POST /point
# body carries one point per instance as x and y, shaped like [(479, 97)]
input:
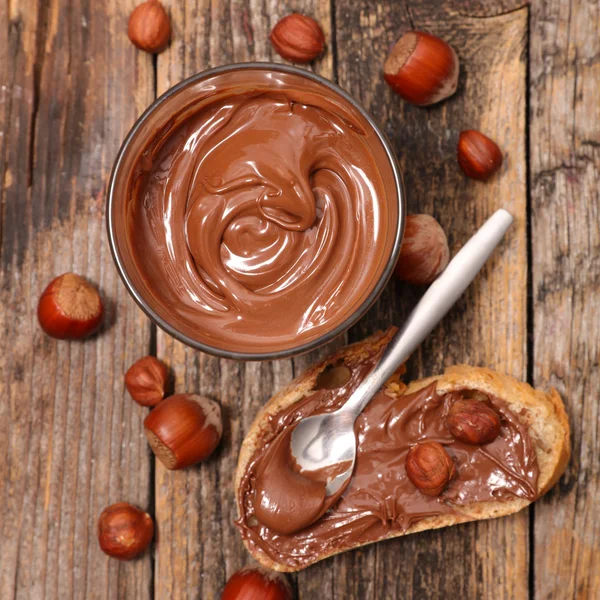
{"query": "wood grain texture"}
[(70, 440), (488, 326), (565, 217), (199, 547), (462, 8)]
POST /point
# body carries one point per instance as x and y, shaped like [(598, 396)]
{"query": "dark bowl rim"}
[(277, 354)]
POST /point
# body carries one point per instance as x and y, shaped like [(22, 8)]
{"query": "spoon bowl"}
[(325, 442)]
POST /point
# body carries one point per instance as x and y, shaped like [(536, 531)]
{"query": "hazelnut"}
[(124, 531), (422, 68), (183, 430), (298, 38), (70, 308), (256, 582), (478, 156), (149, 27), (146, 379), (473, 422), (424, 253), (429, 467)]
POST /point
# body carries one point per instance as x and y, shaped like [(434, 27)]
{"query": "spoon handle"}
[(431, 309)]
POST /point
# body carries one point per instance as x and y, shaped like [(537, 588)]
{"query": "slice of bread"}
[(542, 413)]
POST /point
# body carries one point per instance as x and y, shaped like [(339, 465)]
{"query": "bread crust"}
[(543, 413)]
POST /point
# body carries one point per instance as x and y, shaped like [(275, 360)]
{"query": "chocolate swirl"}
[(260, 220)]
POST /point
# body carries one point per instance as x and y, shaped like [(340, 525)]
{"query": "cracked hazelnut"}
[(70, 308), (424, 253), (183, 430), (298, 38), (473, 422), (422, 68), (429, 467), (124, 531), (257, 583), (146, 379), (149, 27), (478, 156)]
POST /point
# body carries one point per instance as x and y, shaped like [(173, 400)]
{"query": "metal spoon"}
[(324, 441)]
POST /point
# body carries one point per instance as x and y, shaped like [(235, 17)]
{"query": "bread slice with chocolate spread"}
[(534, 440)]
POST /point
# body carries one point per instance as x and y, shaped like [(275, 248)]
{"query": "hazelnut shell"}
[(149, 27), (256, 582), (424, 253), (124, 531), (478, 156), (146, 379), (422, 68), (429, 467), (70, 308), (184, 429), (298, 38), (473, 422)]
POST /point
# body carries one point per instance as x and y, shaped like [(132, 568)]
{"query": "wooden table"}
[(71, 440)]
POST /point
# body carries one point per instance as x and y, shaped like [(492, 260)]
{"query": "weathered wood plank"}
[(488, 326), (199, 547), (70, 440), (564, 175)]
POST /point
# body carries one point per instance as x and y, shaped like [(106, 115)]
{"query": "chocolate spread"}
[(379, 498), (264, 214)]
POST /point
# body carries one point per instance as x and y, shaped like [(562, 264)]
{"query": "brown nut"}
[(424, 253), (184, 429), (146, 379), (473, 422), (257, 583), (124, 531), (429, 467), (149, 27), (298, 38), (478, 156), (70, 308), (422, 68)]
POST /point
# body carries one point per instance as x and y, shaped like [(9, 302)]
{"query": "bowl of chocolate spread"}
[(255, 211)]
